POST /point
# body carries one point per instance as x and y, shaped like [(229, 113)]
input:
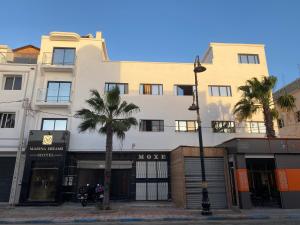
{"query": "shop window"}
[(223, 91), (223, 126), (54, 124), (12, 82), (182, 90), (151, 89), (186, 125), (7, 119), (248, 58), (152, 125), (63, 56), (123, 87)]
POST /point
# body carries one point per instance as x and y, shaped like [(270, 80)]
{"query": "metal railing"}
[(46, 95), (51, 59), (21, 58)]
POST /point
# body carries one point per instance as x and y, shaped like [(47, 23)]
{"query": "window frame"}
[(1, 120), (222, 129), (227, 87), (55, 119), (63, 62), (57, 97), (143, 89), (256, 58), (126, 87), (297, 114), (280, 123), (14, 76), (250, 127), (186, 126), (185, 85), (161, 125)]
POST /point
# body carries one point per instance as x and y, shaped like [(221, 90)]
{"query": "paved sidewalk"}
[(130, 212)]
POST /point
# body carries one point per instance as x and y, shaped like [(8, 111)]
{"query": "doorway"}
[(120, 181), (262, 183)]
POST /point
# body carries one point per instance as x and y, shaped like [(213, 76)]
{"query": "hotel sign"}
[(152, 156)]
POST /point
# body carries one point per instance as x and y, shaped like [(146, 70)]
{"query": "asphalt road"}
[(227, 222)]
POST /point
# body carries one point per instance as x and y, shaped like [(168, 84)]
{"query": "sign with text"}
[(152, 156)]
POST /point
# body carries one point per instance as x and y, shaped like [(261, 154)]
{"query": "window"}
[(12, 82), (63, 56), (298, 116), (255, 127), (58, 91), (184, 90), (151, 89), (248, 58), (215, 90), (54, 124), (223, 126), (7, 120), (123, 87), (186, 125), (280, 123), (152, 125)]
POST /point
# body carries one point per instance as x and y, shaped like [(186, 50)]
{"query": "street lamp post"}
[(198, 68)]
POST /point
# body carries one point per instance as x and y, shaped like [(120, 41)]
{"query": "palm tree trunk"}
[(107, 172), (268, 121)]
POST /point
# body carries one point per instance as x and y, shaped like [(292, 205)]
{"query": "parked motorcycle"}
[(90, 193)]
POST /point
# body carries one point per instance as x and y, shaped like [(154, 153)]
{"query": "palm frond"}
[(245, 108), (112, 99), (96, 102), (286, 102)]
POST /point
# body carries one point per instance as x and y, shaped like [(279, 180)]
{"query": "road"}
[(227, 222)]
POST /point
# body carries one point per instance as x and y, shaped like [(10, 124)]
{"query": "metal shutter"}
[(214, 168), (7, 166)]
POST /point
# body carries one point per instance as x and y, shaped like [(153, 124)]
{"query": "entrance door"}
[(7, 165), (262, 183), (43, 184), (120, 180)]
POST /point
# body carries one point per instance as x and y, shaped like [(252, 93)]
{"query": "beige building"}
[(289, 122)]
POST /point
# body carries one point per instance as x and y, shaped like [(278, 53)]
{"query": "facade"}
[(289, 122), (69, 65)]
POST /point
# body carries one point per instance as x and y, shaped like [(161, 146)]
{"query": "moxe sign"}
[(152, 156)]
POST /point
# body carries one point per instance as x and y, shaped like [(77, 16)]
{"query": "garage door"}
[(214, 168), (7, 165)]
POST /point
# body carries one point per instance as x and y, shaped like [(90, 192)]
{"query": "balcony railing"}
[(21, 58), (51, 59), (49, 97)]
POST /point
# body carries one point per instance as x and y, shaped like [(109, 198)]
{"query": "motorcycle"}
[(92, 193)]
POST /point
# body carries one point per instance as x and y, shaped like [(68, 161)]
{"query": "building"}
[(59, 159), (17, 74), (289, 122)]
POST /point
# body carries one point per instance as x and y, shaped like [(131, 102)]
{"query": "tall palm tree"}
[(257, 96), (108, 116)]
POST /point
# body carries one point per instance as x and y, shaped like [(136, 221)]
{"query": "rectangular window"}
[(248, 58), (186, 125), (123, 87), (298, 116), (152, 125), (182, 90), (280, 123), (224, 91), (63, 56), (58, 91), (7, 119), (223, 126), (12, 82), (151, 89), (54, 124), (255, 127)]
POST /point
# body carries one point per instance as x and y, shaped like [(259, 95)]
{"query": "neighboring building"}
[(289, 122), (17, 74), (59, 159)]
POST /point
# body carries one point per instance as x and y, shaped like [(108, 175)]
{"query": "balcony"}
[(18, 58), (52, 98), (52, 62)]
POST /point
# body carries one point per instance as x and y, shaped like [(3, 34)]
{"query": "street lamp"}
[(195, 107)]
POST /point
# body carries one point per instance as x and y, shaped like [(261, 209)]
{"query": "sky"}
[(164, 30)]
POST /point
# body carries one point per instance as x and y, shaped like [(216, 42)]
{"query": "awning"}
[(93, 164)]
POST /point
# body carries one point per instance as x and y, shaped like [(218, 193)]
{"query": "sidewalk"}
[(130, 212)]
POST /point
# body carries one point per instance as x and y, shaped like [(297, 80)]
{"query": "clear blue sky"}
[(163, 30)]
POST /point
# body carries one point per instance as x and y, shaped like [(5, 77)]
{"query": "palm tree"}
[(108, 116), (257, 96)]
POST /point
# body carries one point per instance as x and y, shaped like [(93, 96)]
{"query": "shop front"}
[(44, 167), (264, 172)]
